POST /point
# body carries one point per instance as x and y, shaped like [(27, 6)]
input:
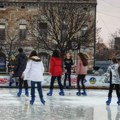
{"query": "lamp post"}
[(84, 29), (74, 46)]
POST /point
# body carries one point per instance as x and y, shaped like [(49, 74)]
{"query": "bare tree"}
[(11, 44), (98, 37), (112, 39), (57, 26)]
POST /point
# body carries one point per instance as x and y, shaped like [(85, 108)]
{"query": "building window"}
[(2, 31), (22, 7), (43, 29), (22, 32), (43, 26), (1, 6)]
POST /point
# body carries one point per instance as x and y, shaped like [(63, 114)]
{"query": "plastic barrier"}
[(90, 81)]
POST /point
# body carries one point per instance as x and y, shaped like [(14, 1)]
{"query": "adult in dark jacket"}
[(55, 71), (21, 61)]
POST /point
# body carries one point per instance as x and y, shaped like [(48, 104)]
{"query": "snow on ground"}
[(68, 107)]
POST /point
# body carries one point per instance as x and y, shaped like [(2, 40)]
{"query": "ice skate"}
[(108, 101), (61, 93), (27, 93), (118, 102), (42, 101), (19, 93), (78, 93), (84, 93), (49, 93), (32, 100)]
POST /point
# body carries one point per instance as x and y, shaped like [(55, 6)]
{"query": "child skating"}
[(114, 80), (34, 72)]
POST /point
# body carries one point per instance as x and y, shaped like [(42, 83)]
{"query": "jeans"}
[(80, 78), (21, 81), (67, 75), (53, 80), (117, 87), (111, 90), (39, 88)]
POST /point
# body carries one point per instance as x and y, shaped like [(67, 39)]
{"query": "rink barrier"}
[(91, 81)]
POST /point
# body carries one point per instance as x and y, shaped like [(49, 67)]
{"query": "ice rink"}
[(68, 107)]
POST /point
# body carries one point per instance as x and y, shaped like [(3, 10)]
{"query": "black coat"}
[(68, 64), (20, 65)]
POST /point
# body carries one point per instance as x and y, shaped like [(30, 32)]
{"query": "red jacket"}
[(55, 66)]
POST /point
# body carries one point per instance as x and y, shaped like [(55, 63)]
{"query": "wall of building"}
[(16, 12)]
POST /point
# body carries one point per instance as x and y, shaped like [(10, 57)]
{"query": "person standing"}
[(20, 65), (82, 67), (114, 74), (68, 63), (11, 66), (55, 71), (34, 72)]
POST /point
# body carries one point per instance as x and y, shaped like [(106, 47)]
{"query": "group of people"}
[(32, 69)]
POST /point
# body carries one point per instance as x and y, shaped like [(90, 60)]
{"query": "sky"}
[(108, 18)]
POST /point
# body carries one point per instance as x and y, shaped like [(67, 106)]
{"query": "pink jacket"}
[(81, 69)]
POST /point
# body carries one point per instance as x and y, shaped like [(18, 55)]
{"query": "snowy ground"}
[(68, 107)]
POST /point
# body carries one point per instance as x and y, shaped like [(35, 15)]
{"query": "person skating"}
[(82, 67), (20, 65), (34, 72), (68, 63), (55, 71), (112, 71)]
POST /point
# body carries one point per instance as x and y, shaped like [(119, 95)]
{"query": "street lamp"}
[(84, 28)]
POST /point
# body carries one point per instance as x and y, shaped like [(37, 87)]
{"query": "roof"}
[(51, 1)]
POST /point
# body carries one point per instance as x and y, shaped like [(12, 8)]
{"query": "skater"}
[(20, 65), (34, 72), (11, 66), (82, 67), (55, 71), (114, 80), (68, 63)]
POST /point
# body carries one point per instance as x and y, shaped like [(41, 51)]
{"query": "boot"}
[(118, 102), (19, 92), (84, 93), (61, 93), (49, 93), (27, 93), (42, 101), (32, 100), (108, 101), (78, 93)]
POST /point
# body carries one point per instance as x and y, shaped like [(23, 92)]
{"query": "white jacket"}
[(34, 70), (115, 77)]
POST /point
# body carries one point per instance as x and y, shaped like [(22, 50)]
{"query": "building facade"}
[(15, 17)]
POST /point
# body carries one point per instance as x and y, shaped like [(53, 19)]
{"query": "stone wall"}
[(16, 12)]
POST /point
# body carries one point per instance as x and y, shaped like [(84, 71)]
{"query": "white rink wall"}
[(90, 81)]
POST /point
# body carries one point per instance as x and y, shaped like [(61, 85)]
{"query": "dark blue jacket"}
[(20, 65)]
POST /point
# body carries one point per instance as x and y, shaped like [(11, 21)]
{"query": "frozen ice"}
[(68, 107)]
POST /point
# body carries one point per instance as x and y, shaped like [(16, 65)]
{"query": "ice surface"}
[(68, 107)]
